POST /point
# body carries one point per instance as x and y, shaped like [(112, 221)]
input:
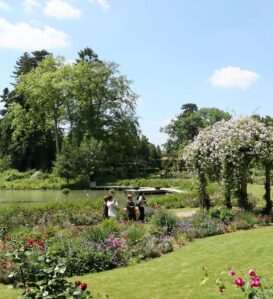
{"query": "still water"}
[(45, 196)]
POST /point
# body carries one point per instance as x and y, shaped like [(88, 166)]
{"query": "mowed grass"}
[(257, 190), (178, 274)]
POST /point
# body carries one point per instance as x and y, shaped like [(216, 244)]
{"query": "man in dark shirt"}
[(131, 208), (105, 207)]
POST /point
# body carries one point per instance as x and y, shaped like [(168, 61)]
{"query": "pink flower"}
[(116, 243), (255, 282), (232, 272), (239, 282), (251, 273)]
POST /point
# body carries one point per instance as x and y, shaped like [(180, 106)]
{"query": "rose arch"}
[(226, 151)]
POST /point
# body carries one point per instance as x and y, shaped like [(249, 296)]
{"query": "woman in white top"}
[(141, 206), (112, 205)]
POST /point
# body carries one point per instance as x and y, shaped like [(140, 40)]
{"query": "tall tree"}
[(22, 136), (88, 55), (188, 124)]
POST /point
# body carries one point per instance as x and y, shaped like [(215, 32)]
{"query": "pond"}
[(45, 196)]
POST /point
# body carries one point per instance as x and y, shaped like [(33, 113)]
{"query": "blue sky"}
[(215, 53)]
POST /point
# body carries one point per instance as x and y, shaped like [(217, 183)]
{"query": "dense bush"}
[(165, 219), (225, 215), (176, 200), (40, 272), (13, 174), (53, 213), (200, 225), (162, 183), (39, 175), (134, 233)]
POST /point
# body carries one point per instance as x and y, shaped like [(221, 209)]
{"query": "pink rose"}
[(255, 282), (232, 272), (239, 282), (251, 273)]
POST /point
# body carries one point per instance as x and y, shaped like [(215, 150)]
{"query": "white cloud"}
[(104, 4), (30, 5), (61, 10), (25, 37), (4, 6), (233, 77)]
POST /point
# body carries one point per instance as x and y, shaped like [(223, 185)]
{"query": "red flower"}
[(83, 286), (4, 265), (77, 283), (252, 273), (32, 242), (239, 282), (255, 282), (232, 272)]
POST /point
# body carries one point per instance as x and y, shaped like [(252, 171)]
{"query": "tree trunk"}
[(228, 199), (203, 196), (56, 136), (267, 195), (242, 193), (227, 178), (242, 188)]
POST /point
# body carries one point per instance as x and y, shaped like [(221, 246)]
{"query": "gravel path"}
[(185, 214)]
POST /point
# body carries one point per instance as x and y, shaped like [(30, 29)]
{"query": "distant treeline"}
[(76, 117)]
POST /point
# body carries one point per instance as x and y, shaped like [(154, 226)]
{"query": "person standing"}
[(131, 208), (112, 205), (105, 207), (141, 206)]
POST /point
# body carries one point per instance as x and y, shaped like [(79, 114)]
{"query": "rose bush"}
[(251, 285), (41, 273), (225, 151)]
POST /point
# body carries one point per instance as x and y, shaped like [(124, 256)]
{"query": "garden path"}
[(185, 214)]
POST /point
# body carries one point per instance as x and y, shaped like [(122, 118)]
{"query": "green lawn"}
[(178, 275), (256, 190)]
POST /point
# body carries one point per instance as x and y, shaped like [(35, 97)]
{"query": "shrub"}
[(39, 175), (111, 226), (249, 218), (13, 174), (41, 273), (96, 234), (149, 212), (134, 233), (200, 225), (5, 163), (155, 247), (250, 286), (223, 214), (165, 219), (176, 200)]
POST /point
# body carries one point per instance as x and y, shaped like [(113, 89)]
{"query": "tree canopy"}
[(59, 111), (182, 129)]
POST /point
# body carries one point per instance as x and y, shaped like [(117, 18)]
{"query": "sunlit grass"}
[(178, 274)]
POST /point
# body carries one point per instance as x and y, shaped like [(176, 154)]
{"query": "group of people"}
[(110, 207)]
